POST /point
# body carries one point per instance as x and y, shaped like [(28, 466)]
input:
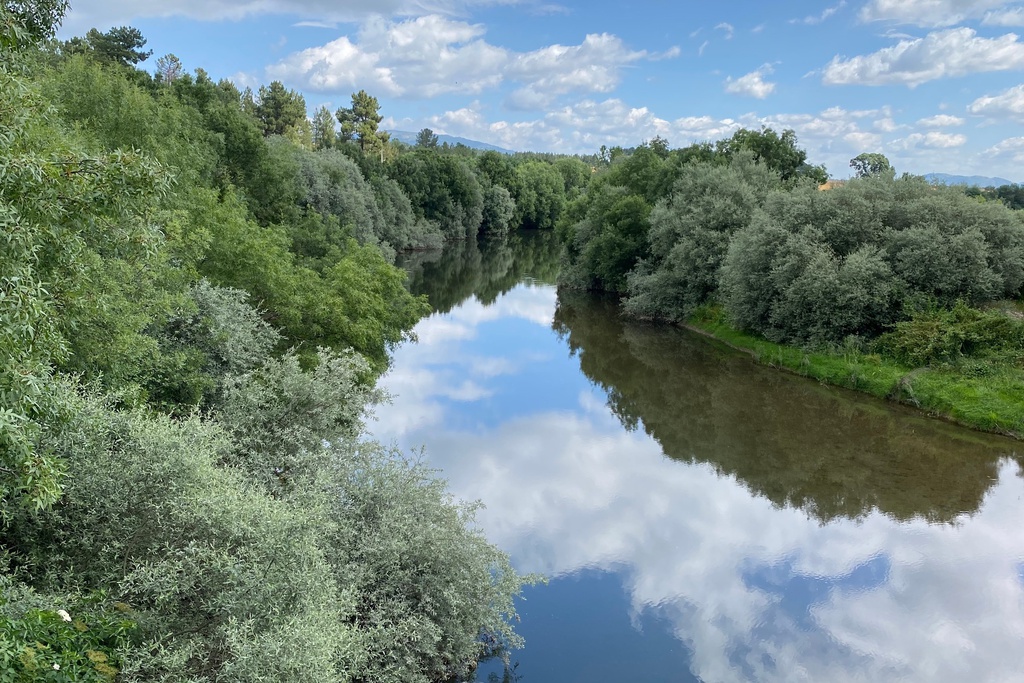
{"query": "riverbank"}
[(984, 396)]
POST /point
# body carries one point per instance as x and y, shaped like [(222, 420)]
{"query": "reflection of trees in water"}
[(486, 268), (791, 440)]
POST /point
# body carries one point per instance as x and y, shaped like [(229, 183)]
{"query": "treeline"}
[(1012, 195), (192, 317), (879, 264)]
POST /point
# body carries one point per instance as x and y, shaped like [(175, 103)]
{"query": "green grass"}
[(983, 395)]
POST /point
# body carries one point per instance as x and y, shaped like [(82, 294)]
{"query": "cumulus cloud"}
[(942, 54), (752, 84), (422, 57), (1008, 104), (941, 121), (928, 13), (435, 55), (1011, 149), (590, 67), (886, 125), (930, 140)]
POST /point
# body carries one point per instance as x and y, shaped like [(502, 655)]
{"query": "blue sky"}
[(936, 85)]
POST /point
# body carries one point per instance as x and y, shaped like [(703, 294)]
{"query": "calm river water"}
[(699, 517)]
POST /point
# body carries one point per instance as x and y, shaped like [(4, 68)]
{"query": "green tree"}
[(25, 21), (360, 121), (325, 133), (426, 138), (280, 110), (498, 211), (778, 152), (73, 220), (871, 163), (539, 194), (121, 45)]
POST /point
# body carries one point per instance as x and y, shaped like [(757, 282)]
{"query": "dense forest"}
[(889, 276), (197, 295)]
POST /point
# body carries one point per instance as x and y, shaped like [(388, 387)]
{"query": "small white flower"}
[(56, 667), (64, 615)]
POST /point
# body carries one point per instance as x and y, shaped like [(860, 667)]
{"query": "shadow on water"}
[(485, 269), (829, 452)]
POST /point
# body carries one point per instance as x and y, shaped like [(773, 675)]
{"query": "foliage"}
[(690, 234), (498, 211), (818, 266), (778, 152), (280, 110), (65, 639), (871, 163), (194, 307), (121, 46), (937, 335), (612, 238), (426, 138), (539, 196), (443, 189), (75, 224), (360, 121), (325, 135)]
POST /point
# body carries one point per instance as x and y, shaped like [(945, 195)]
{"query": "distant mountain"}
[(979, 180), (410, 139)]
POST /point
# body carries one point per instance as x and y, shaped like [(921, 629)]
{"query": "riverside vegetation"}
[(197, 296), (884, 284)]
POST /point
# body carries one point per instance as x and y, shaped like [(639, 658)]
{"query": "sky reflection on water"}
[(752, 584)]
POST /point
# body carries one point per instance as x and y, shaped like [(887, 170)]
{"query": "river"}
[(699, 517)]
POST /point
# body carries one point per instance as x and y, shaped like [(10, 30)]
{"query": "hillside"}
[(977, 180), (409, 138)]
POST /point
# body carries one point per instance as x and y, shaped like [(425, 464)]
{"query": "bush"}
[(940, 335)]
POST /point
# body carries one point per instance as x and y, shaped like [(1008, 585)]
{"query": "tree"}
[(325, 135), (279, 109), (871, 164), (168, 68), (121, 45), (361, 120), (426, 138), (38, 18), (777, 152)]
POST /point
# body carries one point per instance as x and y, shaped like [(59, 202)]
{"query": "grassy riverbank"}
[(987, 396)]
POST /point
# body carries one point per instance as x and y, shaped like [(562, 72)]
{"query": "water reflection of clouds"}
[(757, 592)]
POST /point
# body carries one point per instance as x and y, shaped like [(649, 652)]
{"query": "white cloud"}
[(814, 19), (941, 121), (942, 54), (422, 57), (434, 55), (1008, 104), (930, 140), (752, 84), (886, 125), (862, 139), (929, 13), (726, 28), (1010, 148), (592, 67)]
